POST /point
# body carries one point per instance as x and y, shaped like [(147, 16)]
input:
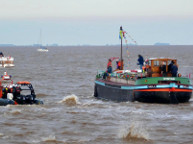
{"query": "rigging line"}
[(131, 38), (127, 46), (127, 49), (124, 34)]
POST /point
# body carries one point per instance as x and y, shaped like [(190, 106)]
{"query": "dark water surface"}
[(64, 79)]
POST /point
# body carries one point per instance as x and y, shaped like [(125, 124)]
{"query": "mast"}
[(40, 36), (121, 41), (121, 35), (40, 42)]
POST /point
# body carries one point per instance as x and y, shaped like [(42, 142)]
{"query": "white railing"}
[(6, 61)]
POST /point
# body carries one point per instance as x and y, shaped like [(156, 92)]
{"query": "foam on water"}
[(41, 95), (50, 138), (135, 131), (16, 112), (70, 100)]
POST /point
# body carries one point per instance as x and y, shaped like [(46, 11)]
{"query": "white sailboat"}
[(42, 48)]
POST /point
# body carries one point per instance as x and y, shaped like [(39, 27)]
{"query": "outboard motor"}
[(29, 99), (20, 99)]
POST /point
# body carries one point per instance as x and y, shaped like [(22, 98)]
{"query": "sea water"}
[(64, 79)]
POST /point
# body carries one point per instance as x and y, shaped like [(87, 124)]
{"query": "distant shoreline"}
[(12, 45)]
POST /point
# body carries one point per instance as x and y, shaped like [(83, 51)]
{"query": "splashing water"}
[(16, 112), (134, 133), (51, 138), (1, 134), (70, 100)]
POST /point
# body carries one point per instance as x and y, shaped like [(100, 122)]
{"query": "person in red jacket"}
[(109, 66)]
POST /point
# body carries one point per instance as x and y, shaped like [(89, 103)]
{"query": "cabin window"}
[(168, 82), (169, 62), (156, 63), (149, 62)]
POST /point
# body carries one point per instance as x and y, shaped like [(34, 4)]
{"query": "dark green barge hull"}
[(149, 90), (110, 91)]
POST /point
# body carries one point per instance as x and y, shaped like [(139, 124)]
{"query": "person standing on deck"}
[(163, 69), (119, 65), (109, 66), (1, 54), (140, 61), (170, 66), (174, 70)]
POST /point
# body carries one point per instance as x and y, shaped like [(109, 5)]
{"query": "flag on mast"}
[(121, 33)]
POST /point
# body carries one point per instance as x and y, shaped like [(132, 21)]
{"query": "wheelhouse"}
[(155, 66)]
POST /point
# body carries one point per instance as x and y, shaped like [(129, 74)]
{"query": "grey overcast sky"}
[(95, 22)]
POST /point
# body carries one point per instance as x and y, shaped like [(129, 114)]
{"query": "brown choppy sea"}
[(64, 79)]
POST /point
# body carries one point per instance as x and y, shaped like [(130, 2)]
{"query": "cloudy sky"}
[(95, 22)]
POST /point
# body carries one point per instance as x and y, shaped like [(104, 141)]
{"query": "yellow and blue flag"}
[(121, 34)]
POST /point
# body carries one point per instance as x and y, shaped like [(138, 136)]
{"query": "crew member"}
[(174, 70), (170, 66), (119, 64), (109, 66), (1, 54), (163, 69), (140, 61)]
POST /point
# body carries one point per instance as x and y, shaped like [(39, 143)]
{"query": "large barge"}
[(128, 85), (149, 85)]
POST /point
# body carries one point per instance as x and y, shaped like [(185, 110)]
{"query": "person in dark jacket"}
[(1, 54), (140, 61), (163, 69), (170, 66), (174, 70)]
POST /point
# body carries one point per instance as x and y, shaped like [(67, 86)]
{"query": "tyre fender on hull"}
[(95, 91), (172, 95)]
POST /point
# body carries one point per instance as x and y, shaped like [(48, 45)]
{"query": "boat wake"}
[(41, 95), (16, 112), (135, 132), (70, 100), (51, 138)]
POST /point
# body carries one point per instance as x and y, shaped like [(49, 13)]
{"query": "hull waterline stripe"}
[(166, 90), (100, 83), (166, 86), (175, 86), (133, 87), (146, 87), (128, 87), (190, 87)]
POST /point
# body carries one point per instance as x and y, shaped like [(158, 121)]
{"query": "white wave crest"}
[(16, 112), (135, 131), (50, 138), (70, 100)]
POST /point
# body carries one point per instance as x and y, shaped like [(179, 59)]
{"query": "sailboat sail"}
[(41, 47)]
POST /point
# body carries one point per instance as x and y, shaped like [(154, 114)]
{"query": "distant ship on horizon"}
[(159, 43)]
